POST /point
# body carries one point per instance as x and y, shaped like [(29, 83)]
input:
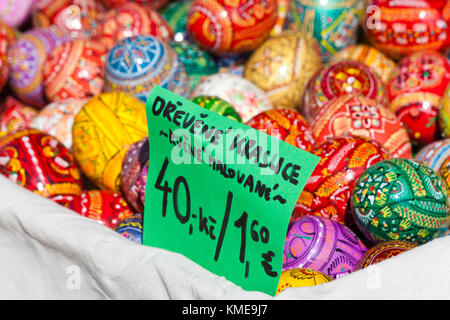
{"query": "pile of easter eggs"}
[(364, 85)]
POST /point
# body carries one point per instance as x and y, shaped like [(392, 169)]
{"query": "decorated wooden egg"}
[(328, 190), (323, 245), (130, 229), (434, 154), (218, 106), (399, 28), (381, 64), (27, 57), (383, 251), (78, 17), (103, 131), (282, 67), (40, 163), (285, 124), (129, 20), (338, 78), (133, 162), (361, 116), (243, 95), (400, 199), (197, 63), (225, 27), (106, 207), (143, 183), (334, 23), (15, 115), (15, 12), (134, 65), (175, 15), (301, 277), (57, 119), (444, 114), (417, 86)]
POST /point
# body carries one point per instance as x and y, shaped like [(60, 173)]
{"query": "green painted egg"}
[(400, 199), (176, 16), (218, 105)]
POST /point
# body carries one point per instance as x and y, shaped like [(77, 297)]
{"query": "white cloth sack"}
[(49, 252)]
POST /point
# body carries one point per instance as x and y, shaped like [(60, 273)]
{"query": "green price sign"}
[(220, 192)]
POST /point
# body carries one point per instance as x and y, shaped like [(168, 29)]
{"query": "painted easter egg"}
[(400, 199), (444, 114), (399, 28), (27, 57), (282, 67), (338, 78), (444, 173), (361, 116), (106, 207), (134, 65), (15, 115), (57, 119), (243, 95), (328, 190), (143, 183), (218, 106), (334, 23), (130, 229), (301, 277), (154, 4), (225, 27), (15, 12), (434, 154), (285, 124), (383, 251), (41, 164), (133, 162), (323, 245), (103, 131), (418, 83), (4, 66), (129, 20)]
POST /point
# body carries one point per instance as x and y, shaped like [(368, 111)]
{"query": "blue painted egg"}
[(131, 229)]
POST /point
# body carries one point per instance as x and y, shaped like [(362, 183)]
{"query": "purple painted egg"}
[(323, 245), (135, 159), (15, 12), (143, 179)]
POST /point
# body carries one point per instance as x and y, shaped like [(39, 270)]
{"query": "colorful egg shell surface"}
[(333, 23), (243, 95), (218, 106), (400, 199), (176, 16), (133, 162), (102, 132), (383, 251), (399, 28), (130, 229), (15, 12), (282, 67), (27, 57), (225, 27), (143, 182), (434, 154), (40, 163), (4, 67), (106, 207), (301, 277), (78, 17), (285, 124), (339, 78), (444, 172), (418, 84), (15, 115), (328, 190), (129, 20), (323, 245), (381, 64), (57, 119), (444, 114), (134, 65), (74, 70), (362, 117)]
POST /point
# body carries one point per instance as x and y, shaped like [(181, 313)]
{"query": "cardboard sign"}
[(220, 192)]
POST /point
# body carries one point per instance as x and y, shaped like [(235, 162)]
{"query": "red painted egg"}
[(14, 115), (153, 4), (225, 27), (399, 28), (285, 124), (338, 78), (416, 88), (328, 190), (4, 67), (74, 70), (383, 251), (107, 207), (129, 20), (40, 163)]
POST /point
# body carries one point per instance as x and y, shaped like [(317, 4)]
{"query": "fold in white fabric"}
[(49, 252)]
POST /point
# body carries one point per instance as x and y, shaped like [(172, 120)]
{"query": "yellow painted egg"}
[(301, 277)]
